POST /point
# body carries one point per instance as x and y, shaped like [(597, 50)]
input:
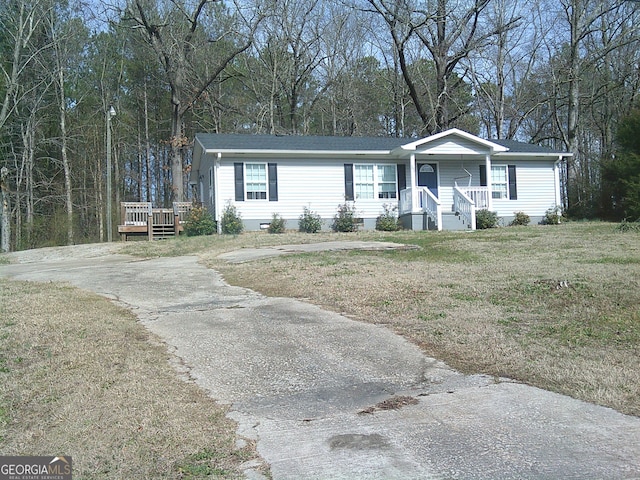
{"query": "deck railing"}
[(140, 218), (135, 213), (464, 206), (182, 210)]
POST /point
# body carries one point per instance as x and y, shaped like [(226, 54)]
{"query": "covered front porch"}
[(449, 177)]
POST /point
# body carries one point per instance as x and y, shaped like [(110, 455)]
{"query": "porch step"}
[(451, 221), (161, 232)]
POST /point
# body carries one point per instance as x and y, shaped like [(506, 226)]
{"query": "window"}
[(364, 182), (374, 181), (211, 185), (499, 183), (387, 181), (503, 181), (256, 181)]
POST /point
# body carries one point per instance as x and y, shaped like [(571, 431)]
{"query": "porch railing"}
[(427, 203), (464, 206), (479, 195)]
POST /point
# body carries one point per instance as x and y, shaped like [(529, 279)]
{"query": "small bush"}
[(277, 225), (388, 221), (231, 222), (199, 222), (520, 218), (345, 219), (552, 216), (309, 222), (486, 219)]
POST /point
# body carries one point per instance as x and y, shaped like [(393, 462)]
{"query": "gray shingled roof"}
[(318, 143), (521, 147), (297, 142)]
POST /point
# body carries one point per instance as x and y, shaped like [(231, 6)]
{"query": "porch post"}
[(487, 161), (414, 183)]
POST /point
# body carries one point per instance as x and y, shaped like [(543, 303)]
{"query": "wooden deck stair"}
[(140, 219)]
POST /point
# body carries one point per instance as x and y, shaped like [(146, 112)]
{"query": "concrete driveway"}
[(326, 397)]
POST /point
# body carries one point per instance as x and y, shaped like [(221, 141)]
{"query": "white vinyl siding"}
[(255, 175)]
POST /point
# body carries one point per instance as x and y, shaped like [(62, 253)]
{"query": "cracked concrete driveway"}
[(316, 390)]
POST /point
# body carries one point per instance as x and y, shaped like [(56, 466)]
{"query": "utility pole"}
[(4, 201), (110, 113)]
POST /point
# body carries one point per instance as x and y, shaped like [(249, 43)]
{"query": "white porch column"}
[(414, 183), (487, 162)]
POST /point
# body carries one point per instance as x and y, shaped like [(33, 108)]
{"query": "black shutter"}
[(239, 179), (402, 177), (513, 191), (273, 182), (348, 181), (483, 175)]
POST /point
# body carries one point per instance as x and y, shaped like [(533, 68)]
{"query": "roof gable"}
[(454, 141)]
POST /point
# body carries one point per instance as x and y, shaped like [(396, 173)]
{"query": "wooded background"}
[(562, 73)]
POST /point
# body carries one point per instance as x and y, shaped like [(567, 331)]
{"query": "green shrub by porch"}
[(486, 219)]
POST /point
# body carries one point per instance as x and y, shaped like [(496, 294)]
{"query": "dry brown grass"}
[(80, 377), (556, 307)]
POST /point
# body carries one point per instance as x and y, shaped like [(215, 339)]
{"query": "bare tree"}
[(177, 31), (450, 32)]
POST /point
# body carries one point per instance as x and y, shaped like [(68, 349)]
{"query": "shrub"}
[(345, 219), (552, 216), (199, 222), (277, 225), (309, 222), (388, 221), (231, 222), (520, 218), (486, 219)]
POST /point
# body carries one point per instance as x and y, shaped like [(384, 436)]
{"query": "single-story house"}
[(437, 182)]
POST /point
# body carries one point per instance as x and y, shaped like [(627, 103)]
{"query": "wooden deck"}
[(141, 219)]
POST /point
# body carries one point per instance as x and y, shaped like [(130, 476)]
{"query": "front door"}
[(428, 176)]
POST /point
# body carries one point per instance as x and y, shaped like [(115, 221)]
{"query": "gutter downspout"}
[(414, 183), (556, 178), (216, 192), (487, 162)]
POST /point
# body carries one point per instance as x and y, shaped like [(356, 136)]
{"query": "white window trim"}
[(376, 181), (247, 182)]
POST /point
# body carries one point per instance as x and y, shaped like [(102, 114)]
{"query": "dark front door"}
[(428, 176)]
